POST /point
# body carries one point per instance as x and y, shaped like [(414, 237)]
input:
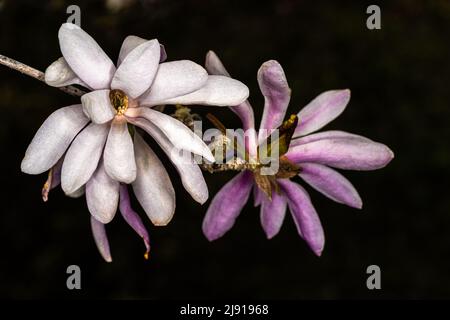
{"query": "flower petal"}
[(214, 66), (101, 239), (132, 42), (52, 139), (85, 57), (59, 74), (273, 84), (244, 110), (132, 218), (257, 196), (82, 157), (179, 135), (218, 91), (332, 134), (305, 216), (152, 186), (323, 109), (119, 152), (137, 71), (331, 184), (77, 193), (97, 106), (174, 79), (343, 153), (227, 205), (190, 173), (102, 195), (272, 214)]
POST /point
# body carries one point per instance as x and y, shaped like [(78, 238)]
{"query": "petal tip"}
[(69, 26)]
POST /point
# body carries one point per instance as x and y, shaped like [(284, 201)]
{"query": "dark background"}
[(399, 77)]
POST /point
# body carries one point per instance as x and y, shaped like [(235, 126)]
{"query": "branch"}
[(37, 74)]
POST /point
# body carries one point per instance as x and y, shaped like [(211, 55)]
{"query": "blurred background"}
[(399, 77)]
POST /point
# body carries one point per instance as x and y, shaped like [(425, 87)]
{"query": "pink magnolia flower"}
[(314, 153), (90, 146)]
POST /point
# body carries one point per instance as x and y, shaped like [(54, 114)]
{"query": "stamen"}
[(119, 101)]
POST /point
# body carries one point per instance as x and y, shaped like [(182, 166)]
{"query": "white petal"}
[(128, 45), (119, 152), (97, 106), (132, 42), (214, 65), (152, 186), (102, 195), (77, 193), (101, 239), (137, 71), (174, 79), (218, 91), (53, 138), (190, 173), (179, 135), (85, 57), (59, 74), (82, 157)]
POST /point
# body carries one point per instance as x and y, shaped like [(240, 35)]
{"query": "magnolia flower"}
[(310, 155), (104, 150)]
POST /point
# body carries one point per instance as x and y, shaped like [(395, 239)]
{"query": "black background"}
[(399, 77)]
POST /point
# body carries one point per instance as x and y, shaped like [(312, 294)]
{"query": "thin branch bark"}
[(37, 74)]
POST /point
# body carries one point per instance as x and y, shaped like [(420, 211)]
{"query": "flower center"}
[(119, 101)]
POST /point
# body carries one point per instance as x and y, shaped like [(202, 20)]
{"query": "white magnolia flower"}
[(101, 152)]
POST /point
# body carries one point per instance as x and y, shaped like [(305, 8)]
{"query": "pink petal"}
[(258, 196), (137, 71), (85, 57), (102, 195), (227, 205), (272, 214), (101, 239), (273, 84), (119, 152), (305, 216), (343, 153), (132, 218), (53, 138), (323, 109), (331, 184), (332, 134)]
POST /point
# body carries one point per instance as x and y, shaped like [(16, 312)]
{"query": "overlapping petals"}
[(152, 186), (313, 153)]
